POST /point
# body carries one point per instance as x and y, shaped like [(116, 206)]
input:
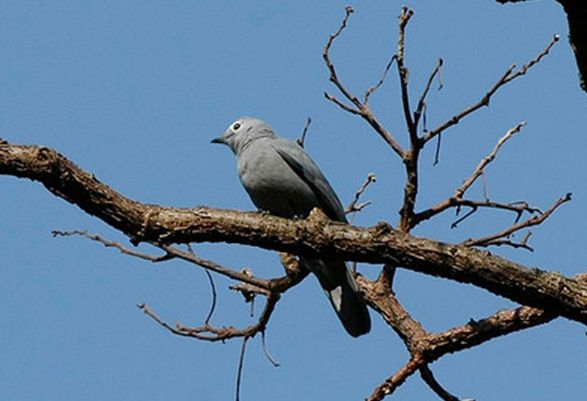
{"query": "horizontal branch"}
[(311, 237)]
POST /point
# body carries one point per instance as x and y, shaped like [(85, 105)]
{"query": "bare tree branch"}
[(358, 108), (456, 199), (431, 381), (354, 206), (499, 238), (509, 75), (311, 237), (239, 373), (404, 18), (211, 333), (113, 244), (486, 161), (422, 102), (302, 139), (397, 379), (375, 87)]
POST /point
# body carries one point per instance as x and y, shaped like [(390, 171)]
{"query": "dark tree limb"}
[(312, 236), (576, 11), (397, 379), (577, 17), (425, 347), (428, 377)]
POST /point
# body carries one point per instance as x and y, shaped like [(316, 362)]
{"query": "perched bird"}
[(283, 180)]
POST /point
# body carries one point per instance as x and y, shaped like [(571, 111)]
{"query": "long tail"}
[(343, 292)]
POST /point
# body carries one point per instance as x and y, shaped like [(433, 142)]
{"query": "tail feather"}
[(343, 292)]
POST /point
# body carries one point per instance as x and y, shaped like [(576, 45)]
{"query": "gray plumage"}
[(282, 179)]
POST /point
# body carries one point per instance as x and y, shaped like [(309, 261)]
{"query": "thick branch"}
[(577, 17), (313, 236)]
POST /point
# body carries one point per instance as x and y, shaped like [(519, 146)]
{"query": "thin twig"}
[(431, 381), (437, 150), (112, 244), (356, 107), (302, 139), (487, 160), (266, 351), (326, 56), (501, 237), (518, 207), (239, 373), (456, 199), (208, 264), (214, 334), (212, 288), (509, 75), (354, 206), (422, 102), (214, 296), (375, 87)]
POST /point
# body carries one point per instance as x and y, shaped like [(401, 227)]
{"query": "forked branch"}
[(357, 107), (509, 75)]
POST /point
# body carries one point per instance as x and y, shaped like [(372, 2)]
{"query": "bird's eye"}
[(236, 126)]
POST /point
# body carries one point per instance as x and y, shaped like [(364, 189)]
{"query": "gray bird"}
[(283, 180)]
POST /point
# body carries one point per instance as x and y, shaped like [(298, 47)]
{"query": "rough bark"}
[(379, 244)]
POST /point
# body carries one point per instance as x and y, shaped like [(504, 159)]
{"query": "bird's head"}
[(243, 132)]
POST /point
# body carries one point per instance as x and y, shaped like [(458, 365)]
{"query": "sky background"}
[(134, 92)]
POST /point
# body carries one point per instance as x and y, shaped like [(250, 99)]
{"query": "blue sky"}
[(133, 92)]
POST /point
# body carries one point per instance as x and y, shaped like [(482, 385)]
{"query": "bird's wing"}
[(308, 171)]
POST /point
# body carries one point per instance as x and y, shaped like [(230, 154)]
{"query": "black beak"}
[(218, 140)]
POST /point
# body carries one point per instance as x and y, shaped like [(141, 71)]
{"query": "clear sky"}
[(134, 92)]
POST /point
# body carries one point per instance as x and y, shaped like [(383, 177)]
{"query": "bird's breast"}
[(273, 186)]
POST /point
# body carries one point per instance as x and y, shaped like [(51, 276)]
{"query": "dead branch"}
[(379, 83), (426, 347), (302, 139), (422, 101), (308, 237), (456, 199), (411, 158), (397, 379), (404, 18), (428, 377), (509, 75), (211, 333), (354, 206), (359, 108), (113, 244), (517, 207), (239, 373), (501, 238)]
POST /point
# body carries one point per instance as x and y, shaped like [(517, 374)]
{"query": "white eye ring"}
[(236, 126)]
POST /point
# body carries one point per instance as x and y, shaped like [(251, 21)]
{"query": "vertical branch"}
[(411, 158), (239, 373), (404, 17)]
